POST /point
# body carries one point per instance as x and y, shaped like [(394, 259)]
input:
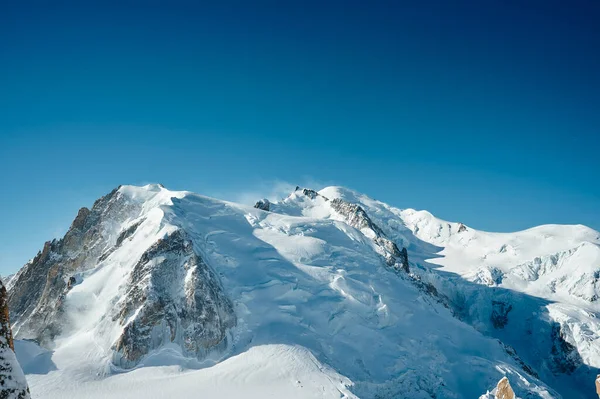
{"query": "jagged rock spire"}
[(263, 204), (504, 390), (12, 380)]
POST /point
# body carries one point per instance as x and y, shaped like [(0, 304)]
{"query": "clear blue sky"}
[(485, 112)]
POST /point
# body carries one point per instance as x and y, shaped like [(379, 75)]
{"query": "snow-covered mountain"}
[(13, 384), (323, 294)]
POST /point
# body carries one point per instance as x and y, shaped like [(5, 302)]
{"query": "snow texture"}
[(327, 294)]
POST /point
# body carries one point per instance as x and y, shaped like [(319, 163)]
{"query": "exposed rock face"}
[(36, 312), (12, 380), (171, 294), (461, 228), (128, 232), (504, 390), (312, 194), (499, 316), (356, 217), (564, 357), (263, 204), (512, 353), (404, 260), (5, 331), (598, 385), (173, 297)]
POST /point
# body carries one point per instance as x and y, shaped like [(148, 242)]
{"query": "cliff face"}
[(38, 289), (173, 296), (504, 390), (162, 291), (12, 381)]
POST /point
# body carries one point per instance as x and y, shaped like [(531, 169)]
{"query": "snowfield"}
[(321, 304), (269, 371)]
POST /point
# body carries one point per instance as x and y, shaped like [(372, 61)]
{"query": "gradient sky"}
[(484, 112)]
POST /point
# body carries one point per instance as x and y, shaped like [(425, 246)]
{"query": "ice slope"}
[(553, 325), (319, 283), (312, 291)]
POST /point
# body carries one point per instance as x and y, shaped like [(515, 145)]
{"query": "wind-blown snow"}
[(320, 313)]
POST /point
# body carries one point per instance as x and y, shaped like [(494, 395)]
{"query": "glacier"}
[(326, 294)]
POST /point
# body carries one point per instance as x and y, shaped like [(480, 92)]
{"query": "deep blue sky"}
[(485, 112)]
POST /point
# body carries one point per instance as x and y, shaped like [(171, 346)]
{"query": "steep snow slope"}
[(320, 285), (535, 290)]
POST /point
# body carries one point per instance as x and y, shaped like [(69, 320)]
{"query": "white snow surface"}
[(269, 371), (319, 312)]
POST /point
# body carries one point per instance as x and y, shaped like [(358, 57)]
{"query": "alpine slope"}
[(155, 293)]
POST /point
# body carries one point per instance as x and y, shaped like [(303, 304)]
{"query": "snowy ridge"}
[(315, 296)]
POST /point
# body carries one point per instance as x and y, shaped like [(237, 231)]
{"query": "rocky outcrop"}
[(356, 217), (173, 296), (263, 204), (312, 194), (598, 385), (499, 316), (504, 390), (36, 292), (461, 228), (564, 357), (403, 260), (524, 366), (12, 380), (5, 331), (128, 232)]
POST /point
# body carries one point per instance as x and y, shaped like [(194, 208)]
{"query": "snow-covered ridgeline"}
[(153, 277)]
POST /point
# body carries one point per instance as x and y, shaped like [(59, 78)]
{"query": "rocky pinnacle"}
[(12, 379)]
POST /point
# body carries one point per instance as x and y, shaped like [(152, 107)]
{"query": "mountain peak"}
[(153, 277)]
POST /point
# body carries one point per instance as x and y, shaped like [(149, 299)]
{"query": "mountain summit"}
[(323, 294)]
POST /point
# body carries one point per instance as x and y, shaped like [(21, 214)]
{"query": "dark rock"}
[(128, 232), (513, 353), (461, 228), (72, 282), (499, 316), (36, 291), (564, 357), (403, 259), (263, 204), (356, 217), (79, 221), (197, 322), (12, 380), (312, 194), (5, 331)]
